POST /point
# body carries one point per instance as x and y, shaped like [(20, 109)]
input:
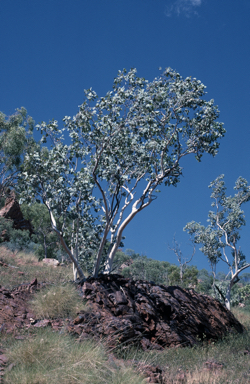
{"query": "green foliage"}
[(244, 294), (15, 139), (143, 268), (222, 233), (160, 272), (136, 134), (52, 176), (235, 297), (205, 282), (46, 240), (17, 239), (6, 229), (2, 202), (190, 275)]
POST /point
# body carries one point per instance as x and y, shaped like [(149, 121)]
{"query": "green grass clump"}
[(57, 301), (51, 358)]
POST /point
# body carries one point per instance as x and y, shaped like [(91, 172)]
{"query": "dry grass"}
[(224, 362), (52, 358), (57, 301), (48, 357), (243, 315), (24, 267)]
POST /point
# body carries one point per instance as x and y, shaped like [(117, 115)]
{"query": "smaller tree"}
[(222, 233), (178, 253), (15, 138)]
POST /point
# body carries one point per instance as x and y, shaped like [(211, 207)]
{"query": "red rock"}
[(42, 323), (12, 210), (126, 311), (159, 316), (3, 359)]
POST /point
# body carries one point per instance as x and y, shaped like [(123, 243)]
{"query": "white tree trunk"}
[(74, 272), (72, 257), (228, 295), (109, 261)]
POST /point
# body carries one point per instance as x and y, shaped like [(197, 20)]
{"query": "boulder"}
[(156, 316), (51, 262), (123, 311)]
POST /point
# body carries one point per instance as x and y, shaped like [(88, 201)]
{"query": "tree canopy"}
[(122, 147), (223, 232), (15, 139)]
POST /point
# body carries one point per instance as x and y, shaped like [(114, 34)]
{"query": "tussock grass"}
[(243, 315), (57, 301), (25, 267), (51, 358)]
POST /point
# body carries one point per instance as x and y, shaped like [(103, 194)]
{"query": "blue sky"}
[(51, 50)]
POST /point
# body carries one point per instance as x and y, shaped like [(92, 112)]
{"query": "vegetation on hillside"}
[(45, 356), (220, 237)]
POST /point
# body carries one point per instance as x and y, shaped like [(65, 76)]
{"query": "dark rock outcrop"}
[(126, 311), (12, 211)]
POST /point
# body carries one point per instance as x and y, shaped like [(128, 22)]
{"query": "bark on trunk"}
[(99, 254)]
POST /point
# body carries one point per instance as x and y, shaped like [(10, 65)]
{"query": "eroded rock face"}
[(122, 310), (12, 210)]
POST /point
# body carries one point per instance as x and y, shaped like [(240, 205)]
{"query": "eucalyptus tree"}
[(15, 138), (51, 177), (222, 234), (132, 140)]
